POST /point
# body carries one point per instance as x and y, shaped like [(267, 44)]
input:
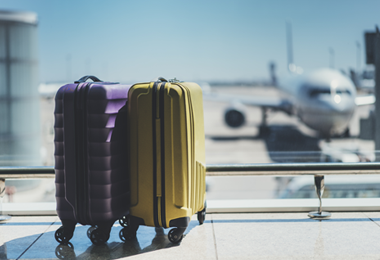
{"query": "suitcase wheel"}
[(90, 229), (123, 221), (98, 238), (63, 235), (175, 235), (202, 215), (127, 233)]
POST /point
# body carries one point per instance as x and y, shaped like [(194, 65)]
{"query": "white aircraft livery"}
[(323, 99)]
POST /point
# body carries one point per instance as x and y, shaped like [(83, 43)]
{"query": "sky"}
[(200, 40)]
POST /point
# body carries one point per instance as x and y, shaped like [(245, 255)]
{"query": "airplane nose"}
[(339, 111), (337, 99), (336, 104), (329, 114), (341, 104)]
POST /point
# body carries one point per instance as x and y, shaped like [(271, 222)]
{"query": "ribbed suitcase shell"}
[(90, 130), (167, 153)]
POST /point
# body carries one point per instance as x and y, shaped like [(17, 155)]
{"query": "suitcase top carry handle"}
[(170, 80), (161, 79), (85, 78)]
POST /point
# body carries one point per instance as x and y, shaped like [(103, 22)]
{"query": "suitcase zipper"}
[(158, 154), (191, 202), (80, 103), (161, 109), (154, 122)]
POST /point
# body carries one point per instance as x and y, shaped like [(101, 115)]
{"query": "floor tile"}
[(374, 216), (19, 233), (292, 236)]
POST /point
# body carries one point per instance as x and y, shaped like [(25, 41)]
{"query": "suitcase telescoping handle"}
[(85, 78)]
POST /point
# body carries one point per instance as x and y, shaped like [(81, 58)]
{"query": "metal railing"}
[(293, 169), (27, 172), (316, 169)]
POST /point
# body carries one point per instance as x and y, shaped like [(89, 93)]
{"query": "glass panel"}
[(24, 80), (23, 42), (285, 139), (4, 118), (2, 42), (3, 80), (25, 117)]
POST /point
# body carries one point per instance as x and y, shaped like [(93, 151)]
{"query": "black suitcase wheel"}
[(202, 215), (121, 235), (89, 230), (98, 238), (175, 235), (127, 233), (62, 235), (123, 221)]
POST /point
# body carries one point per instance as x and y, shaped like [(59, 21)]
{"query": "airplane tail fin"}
[(292, 67), (289, 44)]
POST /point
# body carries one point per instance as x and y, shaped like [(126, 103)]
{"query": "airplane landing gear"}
[(263, 128)]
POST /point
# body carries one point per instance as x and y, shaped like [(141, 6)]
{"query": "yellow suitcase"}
[(166, 157)]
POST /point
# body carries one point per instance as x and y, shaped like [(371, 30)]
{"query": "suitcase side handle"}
[(85, 78)]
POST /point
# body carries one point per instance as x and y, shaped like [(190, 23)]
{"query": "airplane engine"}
[(234, 116)]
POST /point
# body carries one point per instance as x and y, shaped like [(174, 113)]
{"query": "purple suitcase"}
[(92, 186)]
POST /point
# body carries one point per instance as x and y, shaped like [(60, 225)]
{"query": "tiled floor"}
[(222, 236)]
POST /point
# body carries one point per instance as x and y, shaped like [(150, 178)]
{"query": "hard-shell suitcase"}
[(92, 186), (166, 156)]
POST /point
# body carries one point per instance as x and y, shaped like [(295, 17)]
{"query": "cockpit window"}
[(343, 91), (316, 92)]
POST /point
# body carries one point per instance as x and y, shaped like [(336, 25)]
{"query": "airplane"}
[(324, 99)]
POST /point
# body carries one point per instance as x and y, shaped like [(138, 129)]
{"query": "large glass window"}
[(226, 48)]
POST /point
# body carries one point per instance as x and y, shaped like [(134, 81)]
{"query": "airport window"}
[(368, 74), (254, 130), (266, 105)]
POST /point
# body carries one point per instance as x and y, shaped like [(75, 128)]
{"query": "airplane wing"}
[(275, 103), (365, 100)]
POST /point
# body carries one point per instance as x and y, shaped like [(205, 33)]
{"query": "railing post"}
[(319, 181), (2, 193), (377, 91)]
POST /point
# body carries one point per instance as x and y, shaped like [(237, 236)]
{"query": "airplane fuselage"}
[(324, 99)]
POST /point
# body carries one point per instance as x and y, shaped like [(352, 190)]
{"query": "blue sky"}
[(129, 41)]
